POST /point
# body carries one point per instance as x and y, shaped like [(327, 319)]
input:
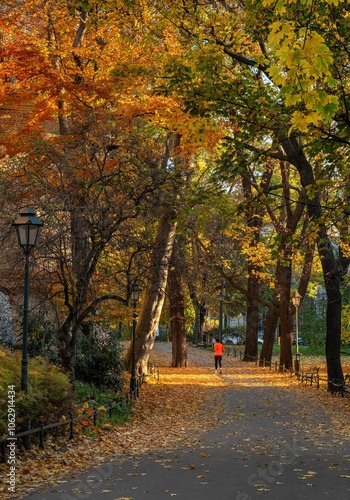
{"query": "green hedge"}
[(98, 360), (50, 393)]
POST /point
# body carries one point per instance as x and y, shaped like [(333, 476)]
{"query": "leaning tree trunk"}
[(177, 309), (153, 297)]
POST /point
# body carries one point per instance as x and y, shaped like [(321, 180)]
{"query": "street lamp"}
[(135, 295), (296, 303), (27, 227), (221, 299)]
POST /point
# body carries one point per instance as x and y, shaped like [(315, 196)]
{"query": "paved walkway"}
[(271, 442)]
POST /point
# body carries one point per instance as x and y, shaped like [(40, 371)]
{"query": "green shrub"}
[(50, 394), (98, 360), (97, 355), (42, 339)]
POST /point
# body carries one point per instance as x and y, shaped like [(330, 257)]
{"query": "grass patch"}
[(90, 392), (305, 350), (93, 398)]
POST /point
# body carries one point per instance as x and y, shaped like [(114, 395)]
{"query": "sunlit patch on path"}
[(276, 432)]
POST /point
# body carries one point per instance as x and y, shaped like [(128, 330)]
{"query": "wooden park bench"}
[(311, 376)]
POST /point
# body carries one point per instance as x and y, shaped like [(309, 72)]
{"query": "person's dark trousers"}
[(218, 361)]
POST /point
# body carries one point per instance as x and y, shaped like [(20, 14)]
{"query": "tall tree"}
[(177, 274), (154, 293), (257, 83), (91, 67), (104, 185)]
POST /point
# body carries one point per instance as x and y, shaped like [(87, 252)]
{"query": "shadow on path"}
[(270, 442)]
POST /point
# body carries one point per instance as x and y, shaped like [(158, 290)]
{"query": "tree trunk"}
[(177, 309), (273, 311), (252, 327), (67, 337), (284, 276), (254, 222), (331, 266), (154, 295), (269, 334), (333, 276)]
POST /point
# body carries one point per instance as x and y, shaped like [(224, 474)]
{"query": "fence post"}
[(41, 437), (71, 426), (95, 415), (26, 438)]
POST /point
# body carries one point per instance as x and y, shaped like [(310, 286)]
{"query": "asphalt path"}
[(271, 442)]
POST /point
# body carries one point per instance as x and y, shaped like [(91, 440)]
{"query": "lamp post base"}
[(297, 365)]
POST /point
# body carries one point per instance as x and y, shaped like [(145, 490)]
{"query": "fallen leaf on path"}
[(167, 415)]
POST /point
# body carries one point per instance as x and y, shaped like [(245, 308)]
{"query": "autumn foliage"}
[(253, 99)]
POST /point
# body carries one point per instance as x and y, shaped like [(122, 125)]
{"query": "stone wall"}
[(6, 323)]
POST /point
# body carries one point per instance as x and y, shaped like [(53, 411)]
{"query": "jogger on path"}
[(218, 352)]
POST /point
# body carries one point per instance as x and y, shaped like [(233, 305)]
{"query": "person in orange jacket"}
[(218, 352)]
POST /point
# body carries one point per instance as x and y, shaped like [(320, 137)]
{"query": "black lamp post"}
[(27, 227), (221, 299), (135, 295), (296, 303)]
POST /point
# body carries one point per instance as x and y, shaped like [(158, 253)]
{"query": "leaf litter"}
[(166, 417)]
